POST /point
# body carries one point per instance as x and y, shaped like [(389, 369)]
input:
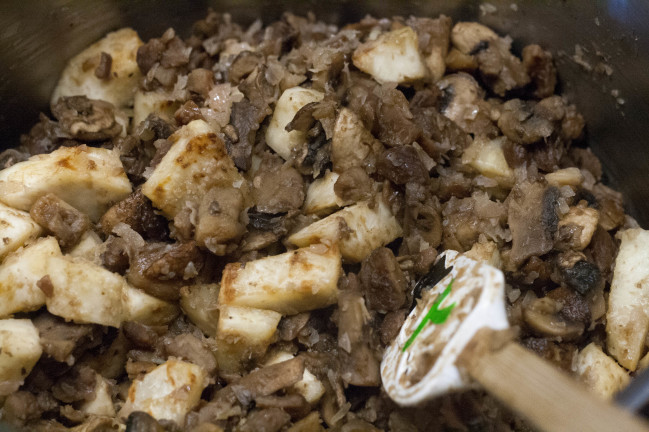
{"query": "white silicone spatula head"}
[(459, 322), (421, 362)]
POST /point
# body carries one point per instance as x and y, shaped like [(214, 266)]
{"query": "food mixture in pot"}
[(224, 232)]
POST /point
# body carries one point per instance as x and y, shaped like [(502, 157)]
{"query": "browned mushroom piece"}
[(543, 317), (162, 269), (463, 102), (60, 218), (87, 119), (219, 217)]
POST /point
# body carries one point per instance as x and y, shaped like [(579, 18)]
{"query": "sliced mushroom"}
[(579, 274), (88, 119), (576, 228), (469, 37), (542, 315), (525, 122), (463, 102)]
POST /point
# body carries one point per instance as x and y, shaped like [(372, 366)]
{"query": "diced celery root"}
[(243, 334), (288, 104), (600, 372), (89, 179), (571, 176), (20, 349), (169, 391), (487, 157), (84, 292), (393, 57), (20, 273), (74, 288), (146, 309), (627, 318), (196, 162), (16, 228), (102, 404), (155, 102), (584, 221), (199, 302), (320, 196), (357, 229), (78, 77), (87, 247), (289, 283), (486, 252)]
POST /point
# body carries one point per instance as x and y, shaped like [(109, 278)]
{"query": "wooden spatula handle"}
[(549, 399)]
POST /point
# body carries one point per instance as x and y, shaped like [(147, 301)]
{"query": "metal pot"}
[(601, 48)]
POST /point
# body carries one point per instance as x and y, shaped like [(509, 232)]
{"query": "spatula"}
[(458, 337)]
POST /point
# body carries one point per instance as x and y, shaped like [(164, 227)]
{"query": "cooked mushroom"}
[(463, 102), (525, 122), (469, 36), (500, 70), (542, 315), (87, 119)]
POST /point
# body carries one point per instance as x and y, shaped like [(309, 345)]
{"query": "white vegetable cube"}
[(289, 283), (309, 386), (627, 318), (78, 77), (600, 372), (243, 333), (169, 391), (83, 292), (87, 247), (487, 157), (200, 304), (321, 199), (357, 229), (248, 326), (20, 273), (156, 102), (146, 309), (392, 57), (352, 145), (89, 179), (16, 228), (196, 162), (288, 104), (102, 404), (20, 349)]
